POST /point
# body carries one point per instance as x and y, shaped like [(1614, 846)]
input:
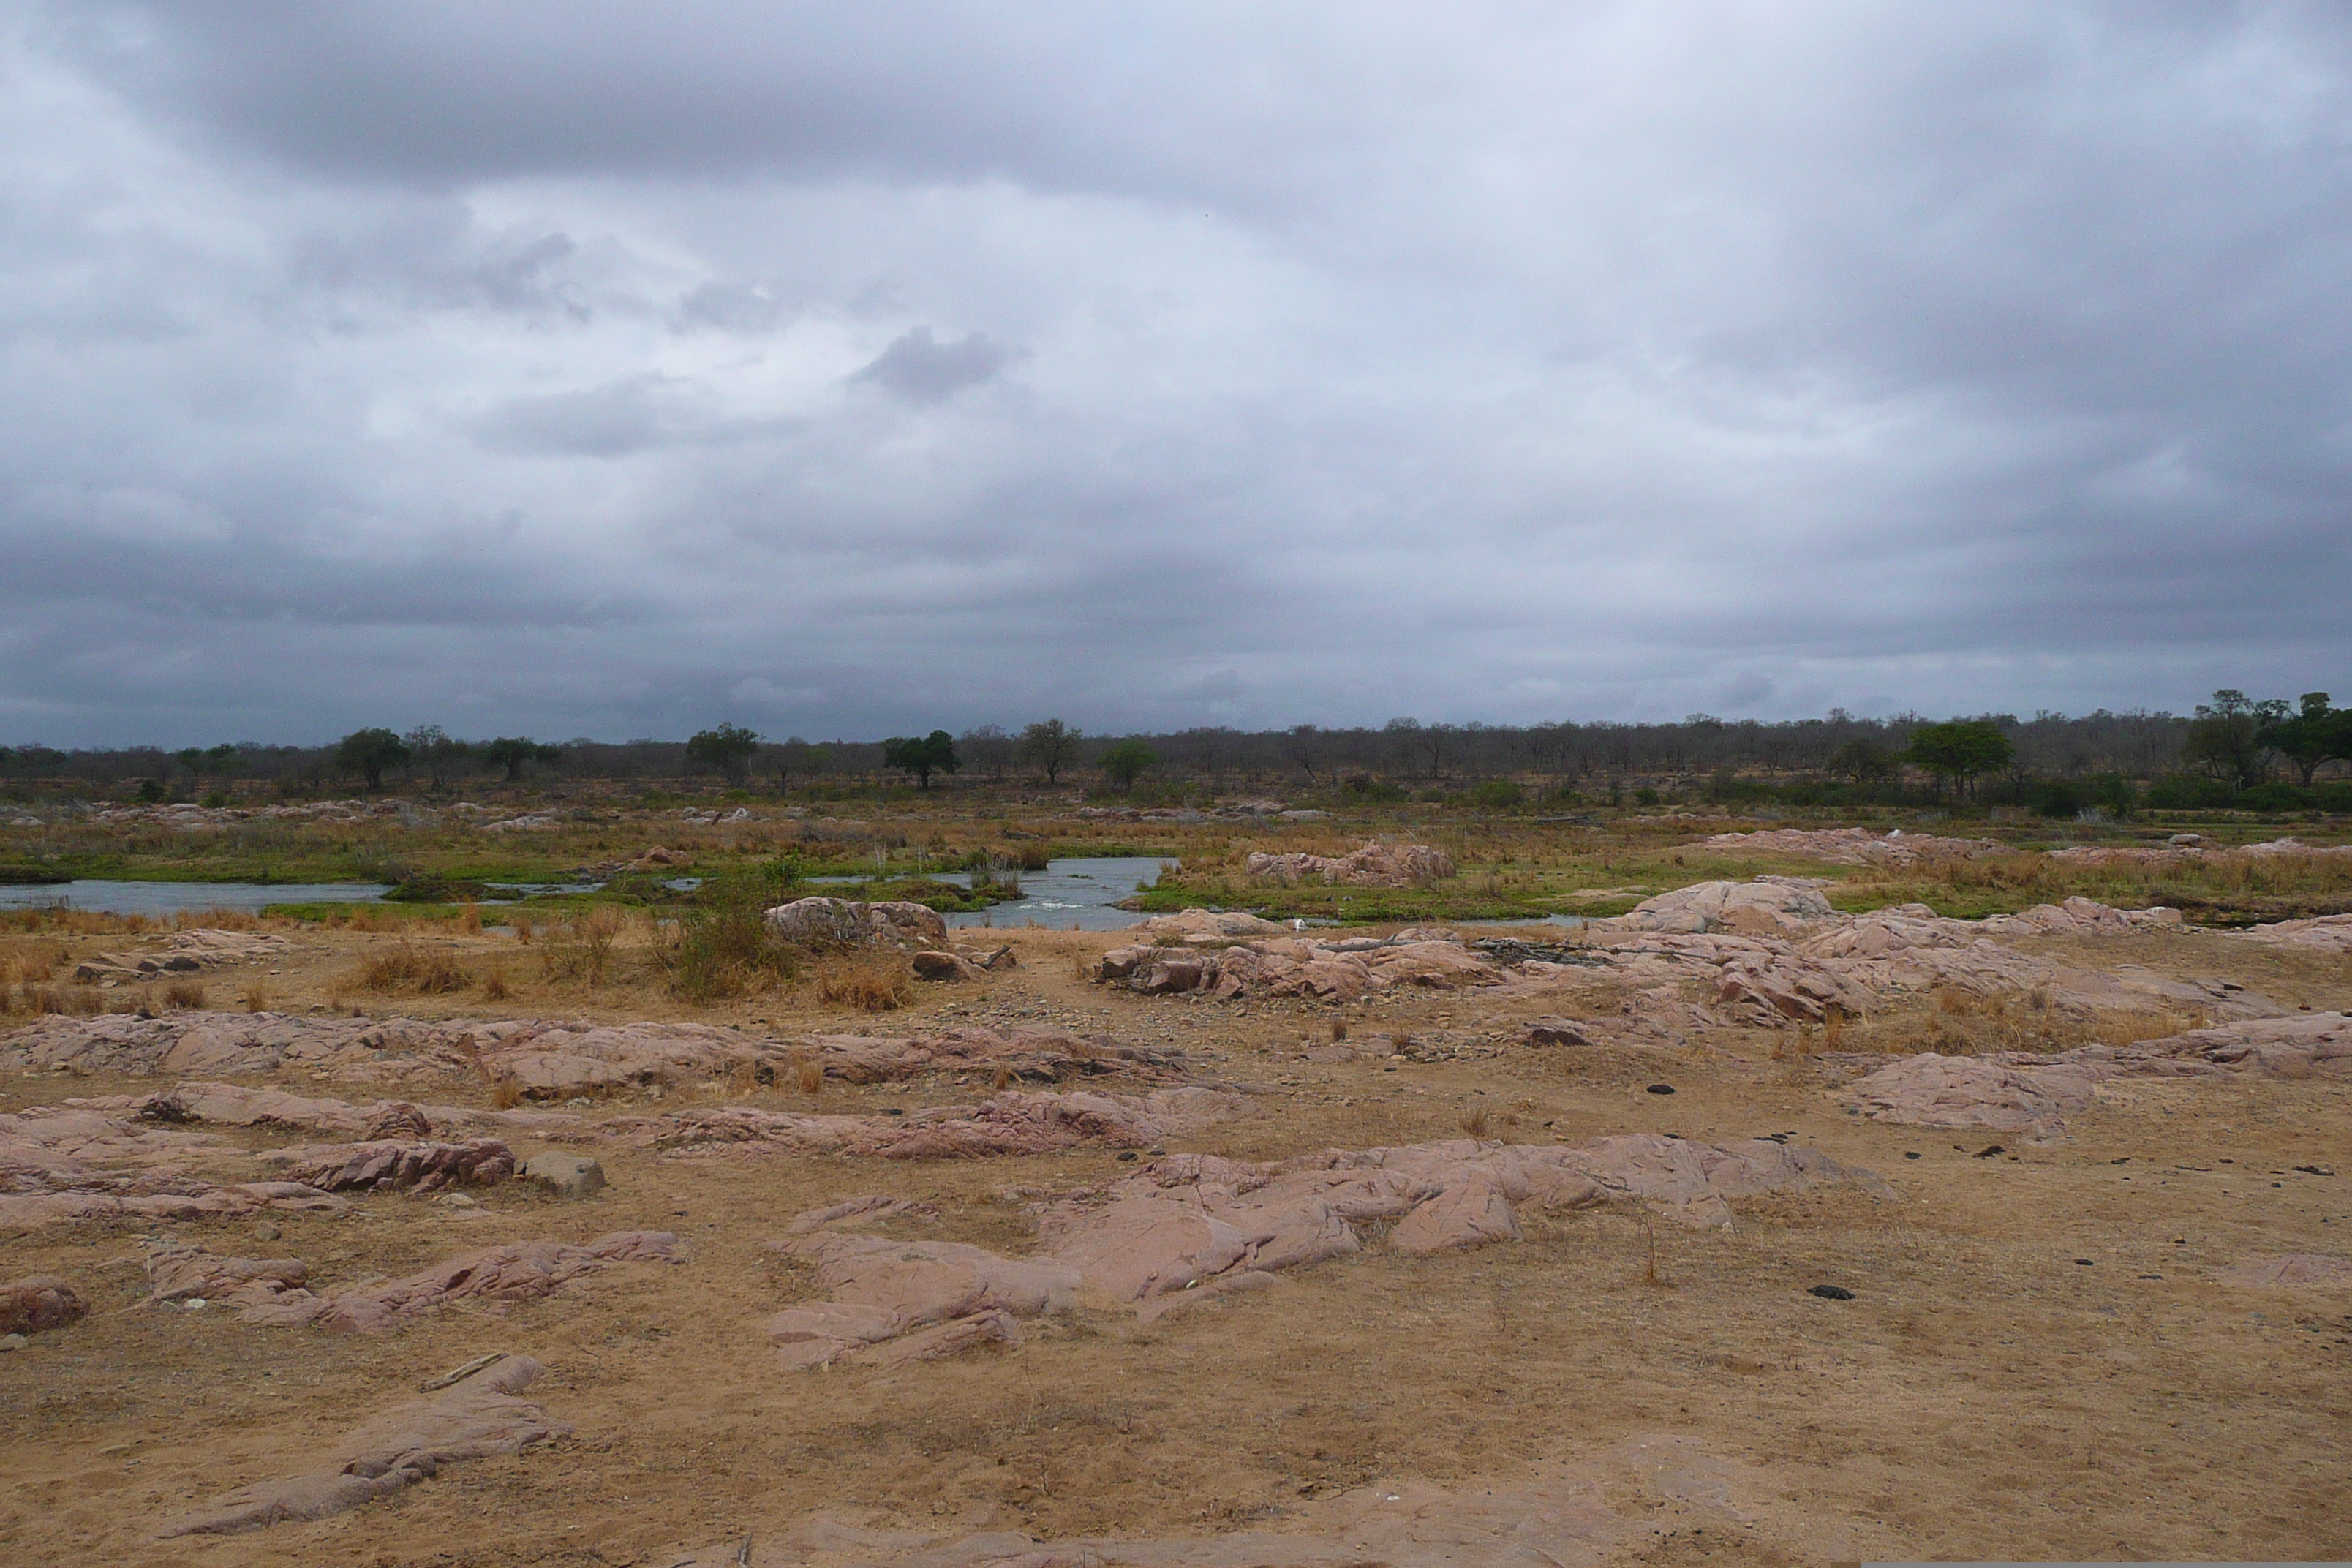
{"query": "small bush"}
[(187, 995), (494, 984), (255, 997)]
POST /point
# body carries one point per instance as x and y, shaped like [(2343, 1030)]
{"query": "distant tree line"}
[(2229, 746)]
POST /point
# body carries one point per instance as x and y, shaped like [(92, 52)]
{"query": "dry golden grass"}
[(809, 1074), (256, 998), (188, 995), (408, 967), (470, 919), (869, 982), (493, 984)]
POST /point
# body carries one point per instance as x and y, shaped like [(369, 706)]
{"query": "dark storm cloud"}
[(606, 370), (921, 369)]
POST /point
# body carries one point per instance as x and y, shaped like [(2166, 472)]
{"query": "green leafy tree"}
[(2316, 736), (1959, 752), (934, 753), (368, 753), (726, 750), (1050, 745), (511, 752), (1125, 761)]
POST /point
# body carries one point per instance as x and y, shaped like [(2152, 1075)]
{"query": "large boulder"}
[(847, 923), (1770, 906)]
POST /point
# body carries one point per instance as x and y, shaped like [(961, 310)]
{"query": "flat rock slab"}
[(273, 1292), (1013, 1123), (2021, 1093), (408, 1444), (2295, 1271)]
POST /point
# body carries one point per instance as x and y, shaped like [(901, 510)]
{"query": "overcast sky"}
[(614, 369)]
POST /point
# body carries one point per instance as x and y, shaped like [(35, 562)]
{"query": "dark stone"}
[(1831, 1292), (1990, 1150), (1910, 1153), (1662, 1088)]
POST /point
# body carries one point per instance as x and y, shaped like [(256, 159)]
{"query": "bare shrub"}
[(255, 997), (1478, 1121), (43, 999), (876, 982), (582, 949), (507, 1092), (470, 919), (524, 927), (494, 984), (188, 995), (809, 1073)]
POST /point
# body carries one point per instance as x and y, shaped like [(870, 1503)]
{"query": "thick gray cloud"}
[(844, 370)]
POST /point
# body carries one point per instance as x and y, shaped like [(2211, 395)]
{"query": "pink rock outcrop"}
[(846, 922), (183, 1272), (478, 1418), (1855, 845), (39, 1304), (1013, 1122), (544, 1059), (514, 1271), (59, 1164), (880, 1292), (2018, 1091), (399, 1166), (1371, 864), (2296, 1272)]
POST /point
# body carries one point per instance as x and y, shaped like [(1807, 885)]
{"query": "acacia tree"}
[(934, 753), (1960, 750), (512, 752), (2316, 736), (1050, 743), (2225, 738), (368, 753), (726, 750), (443, 757)]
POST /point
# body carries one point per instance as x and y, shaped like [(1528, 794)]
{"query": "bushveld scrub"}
[(581, 950), (1956, 1023), (723, 948), (407, 967), (875, 981)]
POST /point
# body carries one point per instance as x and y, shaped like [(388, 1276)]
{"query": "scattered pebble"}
[(196, 1303), (13, 1342), (1911, 1154), (1662, 1088), (1831, 1292), (2086, 1262), (266, 1231)]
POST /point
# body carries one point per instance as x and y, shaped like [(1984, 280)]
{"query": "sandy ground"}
[(2039, 1362)]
